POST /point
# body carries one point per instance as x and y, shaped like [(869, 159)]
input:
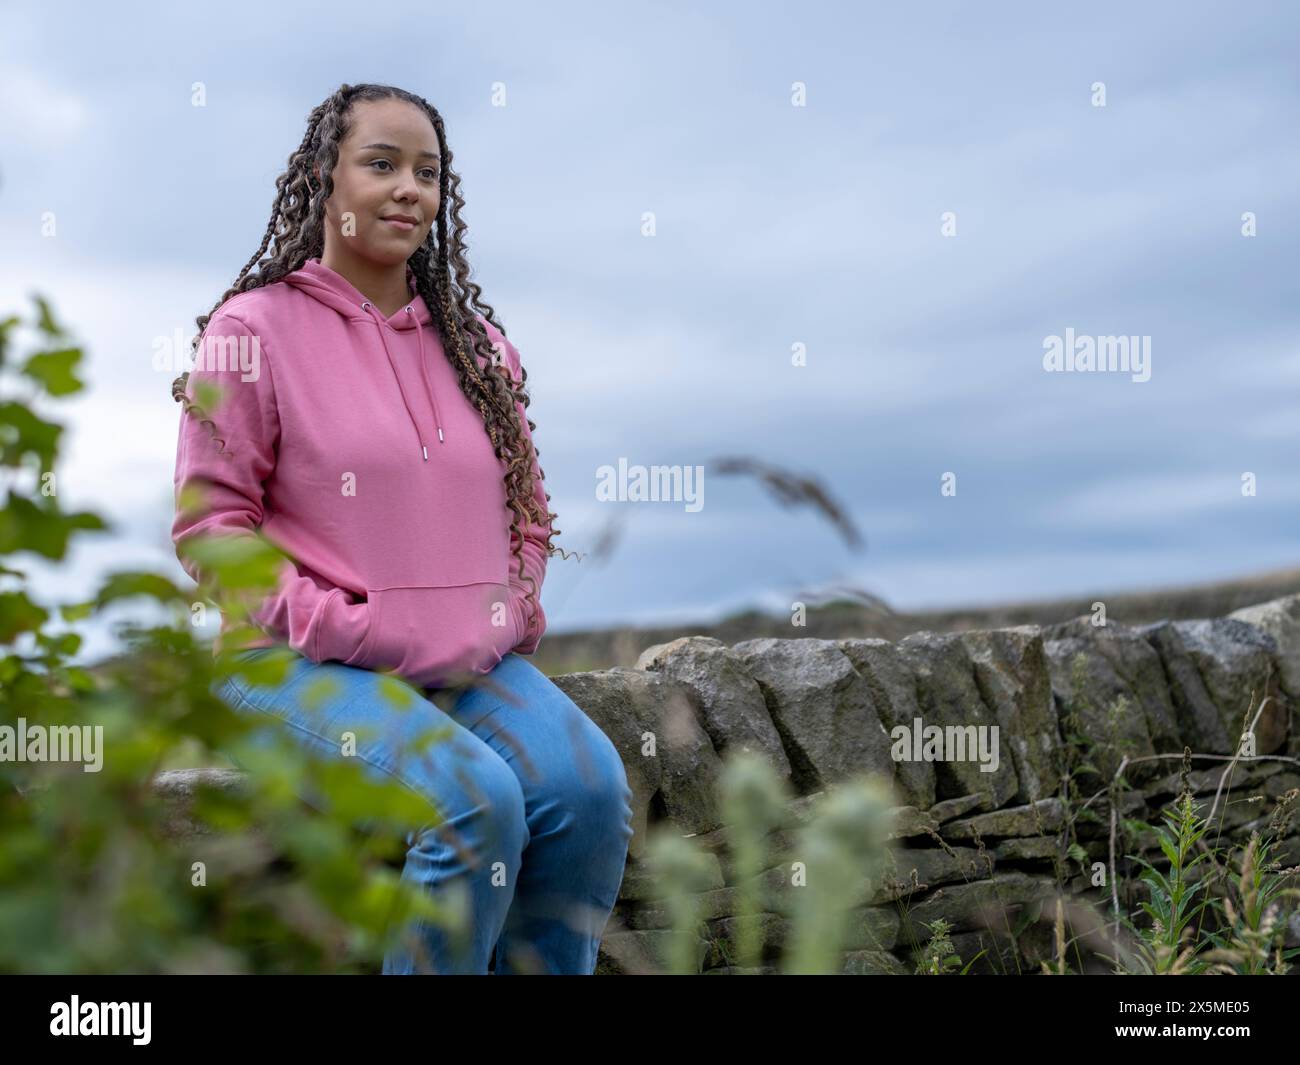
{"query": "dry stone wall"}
[(982, 849)]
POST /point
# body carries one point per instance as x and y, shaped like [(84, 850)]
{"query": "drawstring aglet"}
[(426, 452), (440, 432)]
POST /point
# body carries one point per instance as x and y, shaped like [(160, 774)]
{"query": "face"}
[(387, 171)]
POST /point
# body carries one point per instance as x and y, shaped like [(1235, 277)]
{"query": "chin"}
[(390, 254)]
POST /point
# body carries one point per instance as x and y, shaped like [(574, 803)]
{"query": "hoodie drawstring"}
[(424, 369), (367, 306)]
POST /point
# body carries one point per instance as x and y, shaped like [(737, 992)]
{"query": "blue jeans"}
[(533, 792)]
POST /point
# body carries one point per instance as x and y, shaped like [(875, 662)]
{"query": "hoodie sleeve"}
[(535, 535), (317, 622)]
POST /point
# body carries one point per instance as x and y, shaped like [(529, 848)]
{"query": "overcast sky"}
[(775, 225)]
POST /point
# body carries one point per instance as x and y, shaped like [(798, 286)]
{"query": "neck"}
[(384, 286)]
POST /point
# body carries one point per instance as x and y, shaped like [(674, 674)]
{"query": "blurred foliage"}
[(836, 858), (93, 875)]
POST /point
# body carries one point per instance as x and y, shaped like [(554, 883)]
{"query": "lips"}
[(403, 222)]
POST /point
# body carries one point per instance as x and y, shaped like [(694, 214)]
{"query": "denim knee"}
[(594, 785), (487, 804)]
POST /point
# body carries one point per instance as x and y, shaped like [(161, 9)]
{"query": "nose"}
[(408, 188)]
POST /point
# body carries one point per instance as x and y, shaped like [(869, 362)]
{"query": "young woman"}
[(371, 423)]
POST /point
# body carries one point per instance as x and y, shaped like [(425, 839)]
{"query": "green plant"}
[(834, 864), (1252, 906), (91, 877), (938, 957), (1173, 899)]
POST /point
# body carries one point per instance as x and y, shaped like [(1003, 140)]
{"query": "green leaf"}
[(54, 371), (76, 611), (5, 326), (24, 526), (126, 584), (1152, 874), (45, 321), (63, 644), (79, 679), (18, 614), (23, 433), (1152, 912)]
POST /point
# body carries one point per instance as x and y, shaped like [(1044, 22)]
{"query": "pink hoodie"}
[(350, 443)]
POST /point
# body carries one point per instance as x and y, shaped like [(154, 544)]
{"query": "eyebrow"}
[(395, 148)]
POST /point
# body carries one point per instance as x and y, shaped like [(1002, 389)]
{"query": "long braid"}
[(489, 389), (470, 304), (296, 233)]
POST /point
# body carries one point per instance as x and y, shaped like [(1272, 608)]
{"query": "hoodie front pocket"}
[(358, 658), (431, 634)]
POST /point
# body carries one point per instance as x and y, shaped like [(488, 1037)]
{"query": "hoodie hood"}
[(337, 292)]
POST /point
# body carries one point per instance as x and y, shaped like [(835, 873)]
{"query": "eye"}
[(433, 173)]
